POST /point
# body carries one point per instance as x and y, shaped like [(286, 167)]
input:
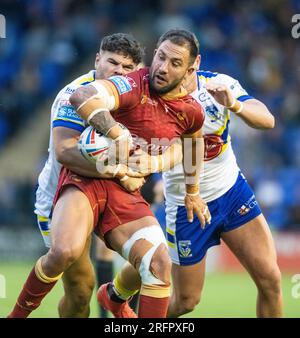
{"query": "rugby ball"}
[(92, 144)]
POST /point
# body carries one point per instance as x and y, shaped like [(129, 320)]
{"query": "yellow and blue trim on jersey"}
[(86, 79), (67, 116), (224, 133), (243, 98), (205, 76)]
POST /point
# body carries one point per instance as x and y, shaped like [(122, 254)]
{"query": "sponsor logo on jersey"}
[(131, 81), (246, 207), (68, 112), (69, 90), (203, 96), (121, 83), (184, 248)]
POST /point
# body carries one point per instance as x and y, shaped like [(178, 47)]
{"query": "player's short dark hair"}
[(124, 44), (182, 37)]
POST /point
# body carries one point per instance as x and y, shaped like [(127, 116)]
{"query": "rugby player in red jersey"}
[(119, 54), (153, 105)]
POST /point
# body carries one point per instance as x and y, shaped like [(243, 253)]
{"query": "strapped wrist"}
[(192, 189), (236, 107), (117, 169)]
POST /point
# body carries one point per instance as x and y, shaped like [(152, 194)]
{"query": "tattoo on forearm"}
[(103, 121)]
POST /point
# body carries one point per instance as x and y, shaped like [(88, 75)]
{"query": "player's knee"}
[(161, 264), (63, 257), (269, 282), (186, 303), (81, 294), (79, 289)]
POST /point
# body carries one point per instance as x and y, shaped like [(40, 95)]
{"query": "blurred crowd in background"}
[(49, 40)]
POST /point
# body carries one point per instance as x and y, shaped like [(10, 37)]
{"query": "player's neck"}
[(191, 83), (176, 93)]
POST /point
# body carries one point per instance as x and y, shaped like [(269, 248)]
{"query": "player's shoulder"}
[(206, 76), (132, 81), (133, 78), (70, 88)]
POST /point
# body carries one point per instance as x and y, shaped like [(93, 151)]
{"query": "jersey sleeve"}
[(196, 117), (128, 89), (65, 115), (238, 91)]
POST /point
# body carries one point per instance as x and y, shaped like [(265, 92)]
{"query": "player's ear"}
[(197, 62), (141, 65), (97, 60), (195, 65)]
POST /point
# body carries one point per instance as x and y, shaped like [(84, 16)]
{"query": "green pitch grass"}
[(225, 295)]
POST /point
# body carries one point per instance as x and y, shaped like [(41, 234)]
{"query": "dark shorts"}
[(112, 205)]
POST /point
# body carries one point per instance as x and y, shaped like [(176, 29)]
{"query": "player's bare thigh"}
[(253, 244), (117, 237), (72, 220), (188, 279)]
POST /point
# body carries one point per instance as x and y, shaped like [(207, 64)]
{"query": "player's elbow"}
[(269, 122), (81, 94), (62, 153)]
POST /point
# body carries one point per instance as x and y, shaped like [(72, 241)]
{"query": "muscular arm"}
[(146, 164), (251, 111), (193, 154), (67, 153), (94, 105), (257, 115)]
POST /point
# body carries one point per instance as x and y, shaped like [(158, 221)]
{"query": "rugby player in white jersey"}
[(235, 214), (119, 54)]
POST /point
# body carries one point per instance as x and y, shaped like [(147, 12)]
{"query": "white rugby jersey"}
[(64, 115), (220, 168)]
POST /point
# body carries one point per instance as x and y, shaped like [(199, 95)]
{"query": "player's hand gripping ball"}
[(94, 145)]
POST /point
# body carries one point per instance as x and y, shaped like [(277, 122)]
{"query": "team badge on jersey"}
[(213, 112), (121, 83), (184, 248), (144, 99), (181, 115)]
